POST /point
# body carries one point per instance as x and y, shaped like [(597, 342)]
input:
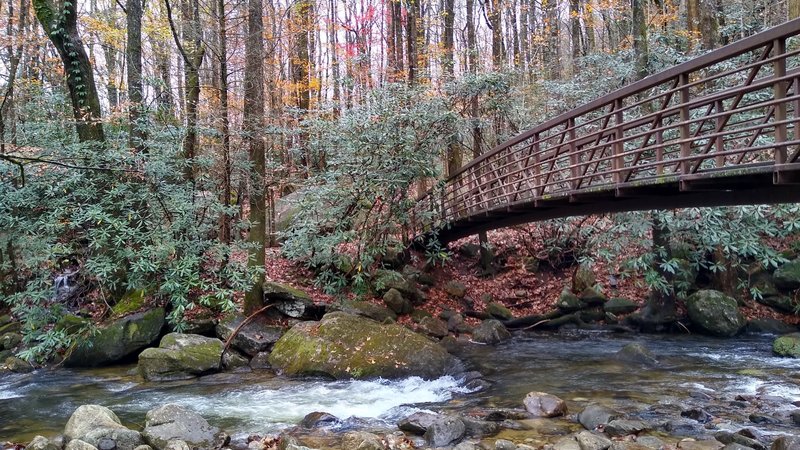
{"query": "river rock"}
[(569, 302), (121, 338), (417, 423), (735, 446), (650, 442), (260, 361), (502, 444), (480, 428), (170, 422), (715, 313), (77, 444), (591, 297), (10, 340), (594, 415), (592, 441), (499, 311), (18, 365), (318, 419), (567, 443), (383, 280), (234, 361), (433, 327), (490, 332), (345, 346), (467, 446), (362, 440), (252, 338), (395, 301), (290, 301), (455, 289), (625, 427), (42, 443), (709, 444), (787, 276), (584, 278), (91, 424), (788, 345), (697, 414), (181, 357), (727, 438), (366, 309), (176, 444), (541, 404), (786, 442), (636, 353), (779, 302), (620, 306), (444, 431), (769, 325)]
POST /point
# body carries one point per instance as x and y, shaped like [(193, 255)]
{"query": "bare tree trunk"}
[(794, 9), (253, 123), (15, 55), (588, 19), (495, 17), (523, 35), (332, 39), (225, 228), (472, 46), (59, 18), (411, 40), (137, 130), (552, 56), (575, 28), (640, 50), (511, 14)]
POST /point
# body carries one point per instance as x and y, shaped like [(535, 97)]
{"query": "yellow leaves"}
[(108, 30)]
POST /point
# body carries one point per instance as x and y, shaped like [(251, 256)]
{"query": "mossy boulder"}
[(618, 306), (383, 280), (569, 302), (10, 327), (781, 303), (395, 301), (787, 276), (787, 345), (584, 278), (343, 346), (121, 338), (181, 357), (366, 309), (715, 313), (455, 289), (131, 302), (591, 297), (499, 311), (490, 332)]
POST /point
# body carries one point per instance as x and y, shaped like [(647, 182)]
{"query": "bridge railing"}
[(731, 110)]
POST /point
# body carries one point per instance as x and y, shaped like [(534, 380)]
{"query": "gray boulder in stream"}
[(91, 424), (787, 345), (181, 357), (343, 346), (715, 313), (174, 422), (119, 339)]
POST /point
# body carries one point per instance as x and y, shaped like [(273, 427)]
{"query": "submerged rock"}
[(594, 415), (490, 332), (636, 353), (181, 357), (174, 422), (345, 346), (541, 404), (715, 313), (121, 338)]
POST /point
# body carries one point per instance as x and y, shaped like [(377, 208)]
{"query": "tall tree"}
[(552, 56), (192, 50), (448, 37), (253, 124), (59, 18), (227, 168), (494, 15), (472, 41), (134, 68)]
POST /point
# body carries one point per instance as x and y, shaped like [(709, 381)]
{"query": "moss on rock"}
[(715, 313), (131, 302), (788, 345), (343, 346)]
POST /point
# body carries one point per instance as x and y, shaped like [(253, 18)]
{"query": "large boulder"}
[(787, 276), (541, 404), (584, 278), (174, 422), (395, 301), (787, 345), (91, 424), (365, 309), (444, 431), (122, 338), (292, 302), (181, 357), (490, 332), (715, 313), (345, 346), (253, 338), (383, 280), (499, 311)]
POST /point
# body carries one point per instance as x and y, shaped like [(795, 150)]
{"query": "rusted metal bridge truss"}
[(722, 129)]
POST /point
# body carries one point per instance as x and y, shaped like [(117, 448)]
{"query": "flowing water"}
[(578, 367)]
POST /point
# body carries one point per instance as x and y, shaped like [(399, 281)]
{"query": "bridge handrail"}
[(608, 142)]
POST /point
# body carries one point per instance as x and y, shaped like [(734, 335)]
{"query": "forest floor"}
[(523, 291)]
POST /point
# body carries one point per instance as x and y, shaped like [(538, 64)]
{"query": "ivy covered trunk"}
[(60, 21)]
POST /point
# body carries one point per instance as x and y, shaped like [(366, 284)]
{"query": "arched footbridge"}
[(722, 129)]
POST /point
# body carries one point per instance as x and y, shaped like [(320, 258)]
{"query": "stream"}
[(578, 366)]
